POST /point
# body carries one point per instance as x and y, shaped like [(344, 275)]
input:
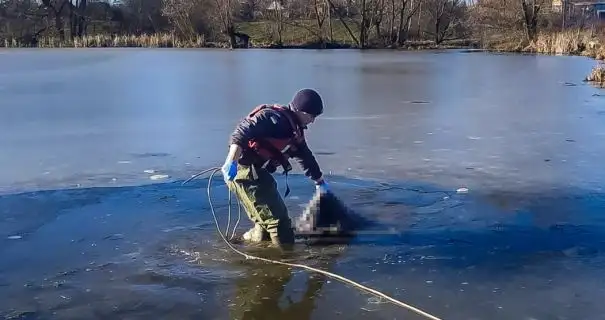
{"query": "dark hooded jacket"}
[(269, 123)]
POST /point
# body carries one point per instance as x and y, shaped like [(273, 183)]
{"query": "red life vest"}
[(276, 151)]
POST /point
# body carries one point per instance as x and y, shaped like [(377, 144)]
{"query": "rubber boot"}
[(284, 237), (256, 234)]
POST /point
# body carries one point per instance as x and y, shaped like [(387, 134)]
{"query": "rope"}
[(295, 265)]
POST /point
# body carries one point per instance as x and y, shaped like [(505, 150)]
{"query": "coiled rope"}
[(294, 265)]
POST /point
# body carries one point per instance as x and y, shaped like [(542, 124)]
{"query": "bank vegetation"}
[(597, 76), (510, 25)]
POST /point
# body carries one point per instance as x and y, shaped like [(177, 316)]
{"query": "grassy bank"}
[(571, 42), (262, 34), (568, 42), (304, 34), (301, 33)]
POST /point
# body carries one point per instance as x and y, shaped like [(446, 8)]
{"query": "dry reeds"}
[(565, 42), (597, 75), (160, 40), (600, 52)]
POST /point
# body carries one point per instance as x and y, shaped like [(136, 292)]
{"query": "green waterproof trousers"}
[(257, 191)]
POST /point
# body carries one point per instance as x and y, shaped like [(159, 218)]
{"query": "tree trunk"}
[(82, 18), (72, 20), (362, 30), (530, 14), (330, 22), (319, 18), (392, 22), (351, 34), (60, 27), (400, 38), (409, 22)]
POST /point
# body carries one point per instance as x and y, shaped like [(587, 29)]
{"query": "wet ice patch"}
[(156, 176), (177, 228), (116, 236), (375, 300), (462, 190), (415, 102), (150, 154), (159, 176)]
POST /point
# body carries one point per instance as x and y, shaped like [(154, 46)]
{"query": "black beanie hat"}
[(309, 101)]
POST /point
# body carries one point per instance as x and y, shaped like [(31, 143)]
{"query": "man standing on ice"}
[(266, 139)]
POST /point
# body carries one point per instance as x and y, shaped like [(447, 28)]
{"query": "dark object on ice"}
[(326, 220)]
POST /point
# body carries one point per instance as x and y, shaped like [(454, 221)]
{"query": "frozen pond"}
[(86, 233)]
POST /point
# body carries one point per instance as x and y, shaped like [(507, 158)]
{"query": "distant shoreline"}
[(169, 42), (560, 43)]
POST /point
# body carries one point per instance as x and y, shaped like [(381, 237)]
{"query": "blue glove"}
[(322, 186), (229, 170)]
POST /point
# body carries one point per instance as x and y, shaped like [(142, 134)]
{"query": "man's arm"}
[(305, 158), (235, 151), (246, 130)]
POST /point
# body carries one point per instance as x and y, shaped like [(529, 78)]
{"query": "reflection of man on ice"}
[(261, 291), (261, 142)]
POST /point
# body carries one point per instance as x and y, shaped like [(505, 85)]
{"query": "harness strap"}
[(287, 192), (297, 138), (283, 160), (297, 132)]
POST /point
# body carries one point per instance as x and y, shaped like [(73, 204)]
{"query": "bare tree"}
[(276, 13), (530, 10), (250, 8), (225, 12), (180, 15), (341, 18), (405, 14), (23, 21), (77, 17), (507, 18), (445, 16), (57, 7), (321, 11)]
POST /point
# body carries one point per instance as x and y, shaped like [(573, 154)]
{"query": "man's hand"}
[(229, 169), (322, 186)]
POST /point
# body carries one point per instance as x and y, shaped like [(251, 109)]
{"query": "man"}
[(262, 142)]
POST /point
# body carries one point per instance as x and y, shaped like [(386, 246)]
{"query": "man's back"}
[(266, 123)]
